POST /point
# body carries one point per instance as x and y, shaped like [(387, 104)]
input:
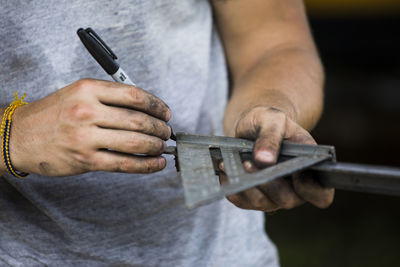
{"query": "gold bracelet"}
[(5, 134)]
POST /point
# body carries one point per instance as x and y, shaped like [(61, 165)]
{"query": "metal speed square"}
[(198, 158)]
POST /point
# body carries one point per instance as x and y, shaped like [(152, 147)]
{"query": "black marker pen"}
[(103, 55), (106, 58)]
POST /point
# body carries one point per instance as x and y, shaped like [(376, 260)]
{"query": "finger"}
[(266, 147), (311, 190), (223, 180), (259, 200), (281, 192), (268, 126), (252, 198), (117, 162), (240, 201), (131, 120), (221, 166), (249, 166), (129, 142), (118, 94), (297, 134)]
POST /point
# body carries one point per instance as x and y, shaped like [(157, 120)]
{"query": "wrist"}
[(242, 103), (289, 79), (17, 142), (7, 136)]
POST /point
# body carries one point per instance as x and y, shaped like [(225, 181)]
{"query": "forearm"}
[(277, 81), (288, 78), (271, 57)]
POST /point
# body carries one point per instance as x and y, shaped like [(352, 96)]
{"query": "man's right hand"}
[(91, 125)]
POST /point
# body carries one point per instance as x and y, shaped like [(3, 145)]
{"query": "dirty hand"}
[(91, 125), (268, 127)]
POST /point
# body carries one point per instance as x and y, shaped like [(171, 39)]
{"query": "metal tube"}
[(359, 177)]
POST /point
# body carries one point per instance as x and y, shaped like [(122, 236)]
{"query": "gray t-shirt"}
[(168, 47)]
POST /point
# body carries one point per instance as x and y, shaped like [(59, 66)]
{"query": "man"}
[(94, 133)]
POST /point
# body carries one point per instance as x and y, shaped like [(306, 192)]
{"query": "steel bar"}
[(359, 177)]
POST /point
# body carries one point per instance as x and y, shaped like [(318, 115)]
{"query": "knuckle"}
[(153, 146), (135, 95), (254, 198), (274, 132), (83, 85), (162, 146), (124, 165), (81, 112), (257, 202), (158, 147), (280, 115), (273, 145), (159, 107), (288, 201), (136, 122), (151, 166), (154, 127), (133, 144)]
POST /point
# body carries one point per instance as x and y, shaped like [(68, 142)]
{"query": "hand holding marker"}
[(106, 58)]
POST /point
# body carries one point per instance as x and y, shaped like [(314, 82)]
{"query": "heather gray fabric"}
[(169, 48)]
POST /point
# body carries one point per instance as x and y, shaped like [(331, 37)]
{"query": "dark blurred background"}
[(359, 42)]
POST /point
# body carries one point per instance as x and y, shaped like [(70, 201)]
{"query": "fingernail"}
[(161, 161), (247, 165), (265, 156), (222, 165), (168, 115)]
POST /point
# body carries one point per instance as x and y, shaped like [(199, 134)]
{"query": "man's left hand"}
[(269, 126)]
